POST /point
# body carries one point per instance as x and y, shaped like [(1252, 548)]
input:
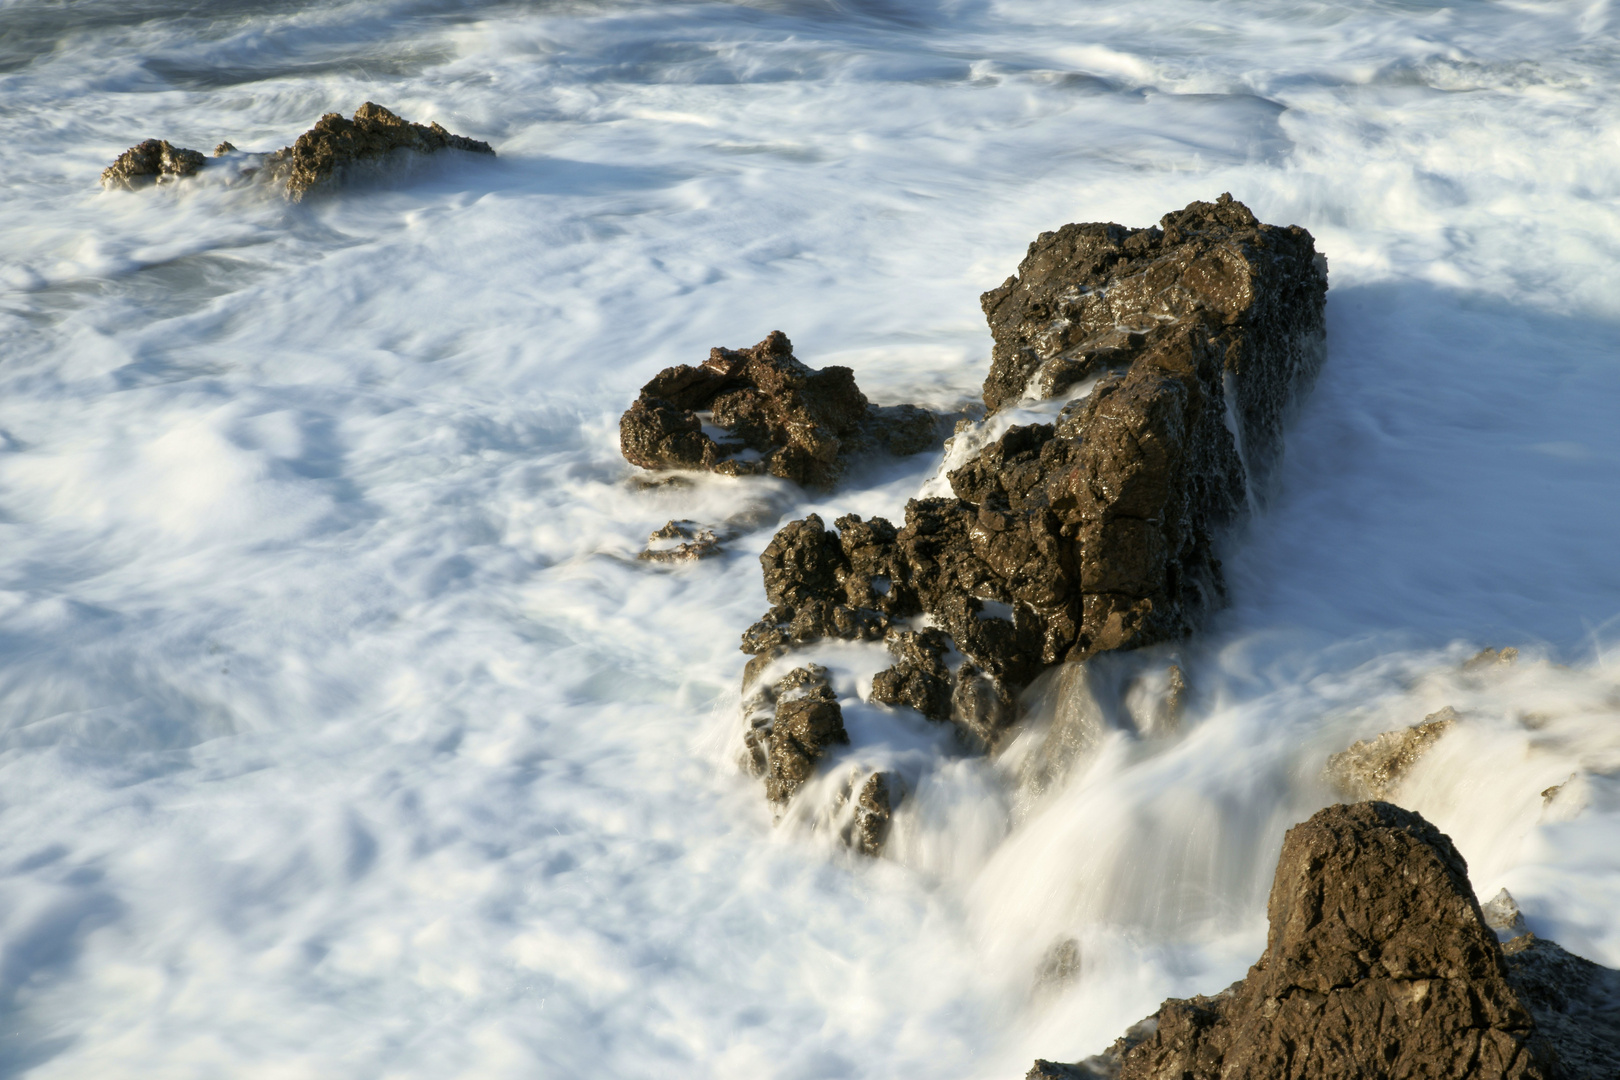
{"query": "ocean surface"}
[(343, 735)]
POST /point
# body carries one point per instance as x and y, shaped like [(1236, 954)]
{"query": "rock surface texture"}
[(153, 161), (1379, 963), (320, 158), (1065, 539), (767, 413), (1373, 768)]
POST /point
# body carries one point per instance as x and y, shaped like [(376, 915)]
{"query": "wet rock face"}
[(773, 414), (1097, 531), (1092, 298), (1378, 963), (795, 722), (322, 155), (153, 161), (1373, 768)]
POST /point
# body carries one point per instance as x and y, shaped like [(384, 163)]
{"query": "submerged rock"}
[(681, 541), (321, 157), (1379, 963), (1092, 533), (327, 153), (874, 812), (1373, 768), (805, 720), (153, 161), (767, 414)]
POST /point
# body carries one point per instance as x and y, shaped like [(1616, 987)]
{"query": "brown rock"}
[(681, 541), (153, 161), (327, 153), (779, 418), (874, 811), (808, 721), (1373, 768), (1378, 964)]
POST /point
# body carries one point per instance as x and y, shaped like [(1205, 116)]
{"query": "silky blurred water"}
[(341, 733)]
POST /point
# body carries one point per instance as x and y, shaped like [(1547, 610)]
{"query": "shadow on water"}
[(1455, 473)]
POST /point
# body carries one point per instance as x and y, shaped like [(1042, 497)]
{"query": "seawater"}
[(341, 732)]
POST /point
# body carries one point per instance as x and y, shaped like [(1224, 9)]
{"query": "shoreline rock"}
[(1379, 962), (1095, 532), (767, 413), (319, 159)]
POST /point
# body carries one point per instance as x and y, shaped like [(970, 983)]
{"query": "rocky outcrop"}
[(327, 153), (1373, 768), (1379, 963), (153, 161), (762, 411), (1094, 532), (792, 725), (320, 158), (874, 812)]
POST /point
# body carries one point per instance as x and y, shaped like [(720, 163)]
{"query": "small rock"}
[(1061, 964), (691, 542), (224, 148), (153, 161), (874, 812), (1502, 915), (1488, 658), (770, 414), (1372, 768), (323, 156), (808, 721), (919, 677)]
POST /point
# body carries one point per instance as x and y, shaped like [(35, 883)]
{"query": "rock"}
[(1575, 1003), (1378, 964), (1489, 658), (1061, 964), (1095, 532), (681, 541), (327, 153), (224, 148), (919, 677), (874, 811), (153, 161), (1502, 915), (771, 415), (1372, 768), (808, 721)]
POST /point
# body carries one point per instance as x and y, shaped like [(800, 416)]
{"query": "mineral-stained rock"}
[(1372, 768), (1378, 964), (153, 161), (322, 156), (808, 721), (1097, 531), (777, 416)]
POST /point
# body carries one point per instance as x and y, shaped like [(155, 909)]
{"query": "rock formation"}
[(1379, 963), (792, 724), (1373, 768), (1064, 539), (153, 161), (320, 158), (325, 154), (769, 413)]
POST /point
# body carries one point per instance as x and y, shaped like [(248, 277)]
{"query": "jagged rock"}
[(1502, 915), (919, 677), (779, 417), (1095, 532), (1489, 658), (1575, 1003), (320, 158), (153, 161), (1372, 768), (681, 541), (874, 811), (325, 154), (808, 721), (1378, 964)]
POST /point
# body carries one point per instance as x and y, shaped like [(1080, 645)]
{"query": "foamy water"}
[(341, 733)]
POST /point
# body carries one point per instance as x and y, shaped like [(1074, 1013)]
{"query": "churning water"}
[(341, 733)]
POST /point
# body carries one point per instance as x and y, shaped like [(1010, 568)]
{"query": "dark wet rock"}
[(1095, 532), (807, 722), (153, 161), (681, 541), (326, 154), (1373, 768), (919, 677), (774, 416), (874, 811), (1378, 963), (1575, 1003)]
